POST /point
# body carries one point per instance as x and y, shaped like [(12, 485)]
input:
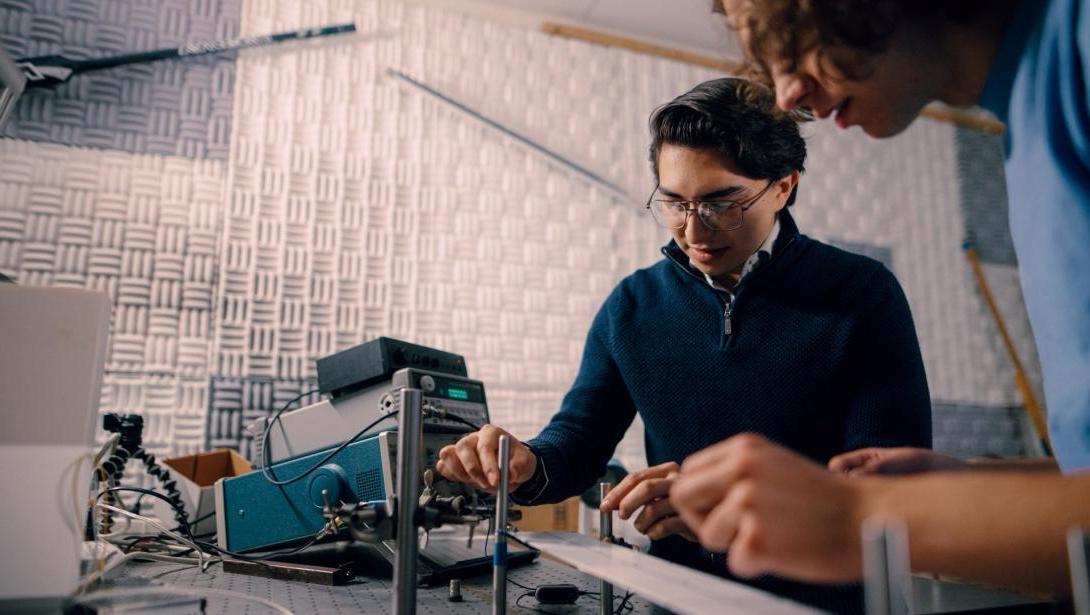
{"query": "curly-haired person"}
[(876, 64)]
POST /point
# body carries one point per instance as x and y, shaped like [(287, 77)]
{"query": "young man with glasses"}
[(875, 64), (746, 325)]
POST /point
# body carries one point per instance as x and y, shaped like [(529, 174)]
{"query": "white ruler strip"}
[(669, 585)]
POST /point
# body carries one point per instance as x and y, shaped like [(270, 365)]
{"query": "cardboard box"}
[(559, 517), (196, 475)]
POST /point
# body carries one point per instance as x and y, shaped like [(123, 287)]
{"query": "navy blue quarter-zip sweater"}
[(817, 351)]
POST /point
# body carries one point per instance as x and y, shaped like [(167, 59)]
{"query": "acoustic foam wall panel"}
[(344, 206)]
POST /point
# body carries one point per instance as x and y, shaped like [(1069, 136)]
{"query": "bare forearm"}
[(1005, 529), (1027, 464)]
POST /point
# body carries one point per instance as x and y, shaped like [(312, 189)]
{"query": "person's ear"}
[(784, 187)]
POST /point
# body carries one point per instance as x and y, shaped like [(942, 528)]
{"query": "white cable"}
[(109, 564), (73, 469), (153, 522), (172, 559), (108, 448), (185, 591), (162, 528)]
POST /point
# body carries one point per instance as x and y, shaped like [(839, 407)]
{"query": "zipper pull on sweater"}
[(726, 316)]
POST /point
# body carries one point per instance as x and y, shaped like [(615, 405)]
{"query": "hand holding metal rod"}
[(499, 553), (605, 533)]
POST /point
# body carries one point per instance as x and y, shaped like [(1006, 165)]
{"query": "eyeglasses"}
[(723, 215)]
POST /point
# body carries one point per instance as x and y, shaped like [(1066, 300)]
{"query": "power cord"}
[(266, 470), (562, 594), (265, 460), (179, 512), (443, 413), (549, 594), (625, 604)]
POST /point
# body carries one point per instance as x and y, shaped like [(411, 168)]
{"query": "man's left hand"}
[(649, 488), (773, 510)]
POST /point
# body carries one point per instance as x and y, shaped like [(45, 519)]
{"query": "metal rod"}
[(556, 158), (887, 583), (605, 532), (1078, 553), (53, 70), (408, 484), (1021, 380), (499, 553)]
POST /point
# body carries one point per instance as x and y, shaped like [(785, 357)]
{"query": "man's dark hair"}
[(736, 119)]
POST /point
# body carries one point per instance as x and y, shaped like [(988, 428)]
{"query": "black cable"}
[(133, 542), (518, 602), (265, 459), (532, 591), (161, 539), (517, 584), (130, 429), (212, 547), (267, 471), (533, 594), (624, 606), (457, 419), (207, 545), (202, 518), (184, 525)]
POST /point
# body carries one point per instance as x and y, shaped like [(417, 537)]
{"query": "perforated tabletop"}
[(371, 595)]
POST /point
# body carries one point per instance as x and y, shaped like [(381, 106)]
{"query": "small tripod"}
[(131, 429)]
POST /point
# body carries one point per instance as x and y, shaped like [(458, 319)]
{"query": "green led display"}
[(457, 393)]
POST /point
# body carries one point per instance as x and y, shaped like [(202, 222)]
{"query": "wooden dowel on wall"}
[(939, 113)]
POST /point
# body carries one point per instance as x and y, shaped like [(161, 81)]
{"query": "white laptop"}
[(53, 344)]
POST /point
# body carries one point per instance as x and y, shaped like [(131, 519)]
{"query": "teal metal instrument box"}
[(255, 514)]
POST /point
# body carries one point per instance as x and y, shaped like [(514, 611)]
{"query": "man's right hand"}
[(900, 460), (474, 460)]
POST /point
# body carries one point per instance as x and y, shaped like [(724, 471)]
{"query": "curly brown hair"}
[(846, 33)]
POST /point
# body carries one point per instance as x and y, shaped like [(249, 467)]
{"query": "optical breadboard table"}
[(367, 594)]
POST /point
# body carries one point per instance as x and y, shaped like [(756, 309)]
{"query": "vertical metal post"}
[(499, 553), (408, 484), (887, 582), (1078, 553), (605, 532)]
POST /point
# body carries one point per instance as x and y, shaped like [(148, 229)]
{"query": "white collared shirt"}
[(753, 260)]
